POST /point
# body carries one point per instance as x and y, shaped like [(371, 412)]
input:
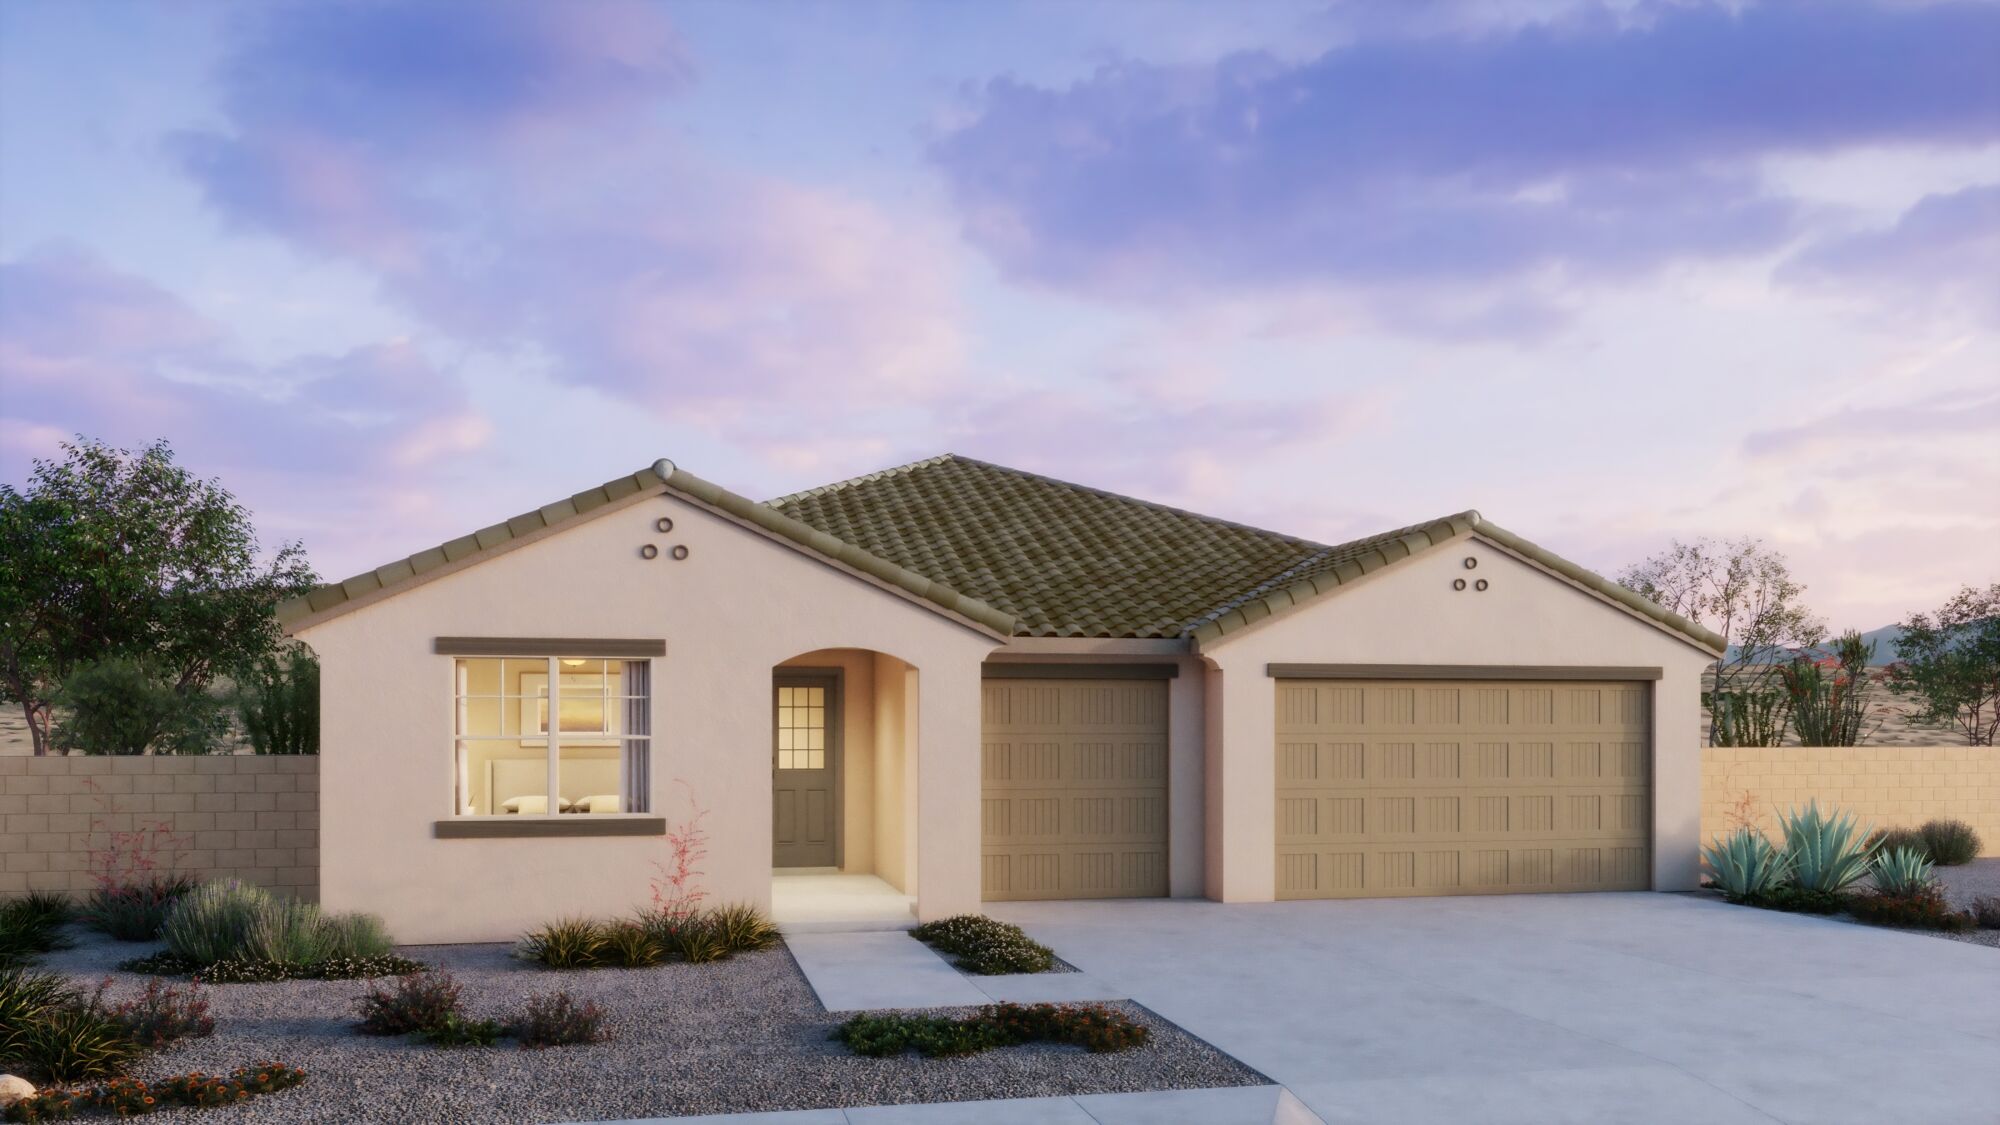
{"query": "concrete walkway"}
[(1560, 1008), (857, 972), (1240, 1105)]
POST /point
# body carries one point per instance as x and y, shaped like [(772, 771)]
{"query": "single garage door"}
[(1074, 789), (1441, 787)]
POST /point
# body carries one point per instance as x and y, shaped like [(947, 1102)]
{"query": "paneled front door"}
[(805, 766)]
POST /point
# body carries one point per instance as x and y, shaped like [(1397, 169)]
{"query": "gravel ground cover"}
[(737, 1035), (1966, 882)]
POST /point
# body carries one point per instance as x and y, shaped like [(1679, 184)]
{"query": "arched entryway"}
[(843, 789)]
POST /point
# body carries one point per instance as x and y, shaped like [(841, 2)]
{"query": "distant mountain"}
[(1885, 640)]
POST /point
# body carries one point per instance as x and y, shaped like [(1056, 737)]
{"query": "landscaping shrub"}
[(569, 943), (696, 941), (986, 946), (1924, 909), (460, 1031), (49, 907), (25, 998), (277, 701), (556, 1019), (135, 911), (934, 1037), (287, 932), (1902, 871), (1744, 865), (1794, 899), (1889, 839), (46, 1105), (743, 928), (628, 945), (1986, 912), (123, 706), (1091, 1026), (71, 1042), (657, 934), (31, 926), (225, 929), (163, 1014), (212, 922), (354, 937), (1828, 852), (1950, 842), (265, 972), (694, 936), (130, 1097), (417, 1002)]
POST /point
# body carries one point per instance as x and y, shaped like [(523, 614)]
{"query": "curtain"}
[(638, 763)]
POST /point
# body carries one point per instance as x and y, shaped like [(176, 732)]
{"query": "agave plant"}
[(1828, 852), (1902, 871), (1745, 865)]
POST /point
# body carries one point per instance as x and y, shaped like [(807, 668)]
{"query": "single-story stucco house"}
[(977, 683)]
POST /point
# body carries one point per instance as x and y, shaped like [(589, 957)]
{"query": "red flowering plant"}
[(133, 877), (677, 891)]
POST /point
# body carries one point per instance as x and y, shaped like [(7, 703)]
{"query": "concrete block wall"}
[(253, 818), (1886, 786)]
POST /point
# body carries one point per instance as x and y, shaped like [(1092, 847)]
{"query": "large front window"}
[(512, 760)]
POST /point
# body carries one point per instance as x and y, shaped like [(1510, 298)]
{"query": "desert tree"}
[(1744, 591), (1949, 663), (107, 554)]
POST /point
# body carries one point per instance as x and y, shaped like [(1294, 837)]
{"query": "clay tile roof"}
[(1016, 553), (1065, 560), (1071, 561)]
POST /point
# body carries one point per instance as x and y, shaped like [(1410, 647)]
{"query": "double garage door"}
[(1074, 789), (1384, 787), (1481, 787)]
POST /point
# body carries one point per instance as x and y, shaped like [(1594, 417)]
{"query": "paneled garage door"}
[(1444, 787), (1074, 789)]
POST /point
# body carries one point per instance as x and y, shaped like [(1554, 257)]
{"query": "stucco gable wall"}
[(735, 607), (1409, 614)]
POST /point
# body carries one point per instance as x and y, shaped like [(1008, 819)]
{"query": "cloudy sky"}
[(1610, 272)]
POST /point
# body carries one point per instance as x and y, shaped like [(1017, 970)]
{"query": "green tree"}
[(119, 705), (1744, 591), (108, 553), (278, 702), (1950, 664)]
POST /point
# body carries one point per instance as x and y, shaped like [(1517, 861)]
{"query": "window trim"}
[(550, 742), (598, 648), (504, 827)]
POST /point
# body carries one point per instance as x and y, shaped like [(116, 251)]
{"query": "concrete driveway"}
[(1560, 1008)]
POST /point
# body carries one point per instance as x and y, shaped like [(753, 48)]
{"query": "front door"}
[(805, 763)]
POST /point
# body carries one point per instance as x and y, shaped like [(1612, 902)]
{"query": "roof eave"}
[(333, 599), (1436, 533)]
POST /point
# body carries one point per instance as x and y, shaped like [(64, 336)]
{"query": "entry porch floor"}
[(834, 903)]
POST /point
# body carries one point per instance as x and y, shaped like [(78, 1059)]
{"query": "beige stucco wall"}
[(222, 816), (1886, 786), (1409, 614), (739, 605), (895, 772)]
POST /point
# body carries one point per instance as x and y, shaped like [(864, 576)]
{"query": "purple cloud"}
[(1885, 428), (449, 75), (1585, 146), (86, 348), (500, 168), (1944, 253)]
